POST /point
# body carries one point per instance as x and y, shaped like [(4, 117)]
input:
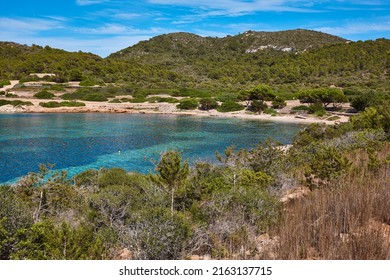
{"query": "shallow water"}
[(76, 142)]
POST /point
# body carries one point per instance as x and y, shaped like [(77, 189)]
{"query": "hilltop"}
[(188, 44)]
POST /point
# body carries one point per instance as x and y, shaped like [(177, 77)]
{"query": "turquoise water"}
[(76, 142)]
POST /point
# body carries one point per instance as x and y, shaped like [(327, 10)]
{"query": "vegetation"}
[(230, 106), (199, 67), (15, 103), (55, 104), (220, 210), (44, 94), (188, 104)]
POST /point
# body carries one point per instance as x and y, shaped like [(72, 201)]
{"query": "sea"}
[(134, 142)]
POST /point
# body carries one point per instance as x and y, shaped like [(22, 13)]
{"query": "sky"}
[(106, 26)]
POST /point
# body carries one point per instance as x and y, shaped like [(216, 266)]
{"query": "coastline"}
[(167, 109)]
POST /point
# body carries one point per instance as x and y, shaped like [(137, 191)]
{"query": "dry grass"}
[(351, 220)]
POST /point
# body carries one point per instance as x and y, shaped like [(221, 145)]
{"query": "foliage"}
[(44, 94), (55, 104), (95, 97), (207, 104), (279, 103), (188, 104), (257, 106), (171, 173), (230, 106), (325, 96), (15, 103)]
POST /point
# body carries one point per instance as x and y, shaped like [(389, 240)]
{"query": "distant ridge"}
[(297, 40)]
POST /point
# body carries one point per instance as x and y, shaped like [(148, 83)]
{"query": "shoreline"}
[(164, 109)]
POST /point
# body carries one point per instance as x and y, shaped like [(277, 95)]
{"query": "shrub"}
[(44, 95), (208, 104), (95, 97), (317, 109), (301, 108), (11, 95), (270, 111), (55, 104), (279, 103), (161, 235), (113, 176), (87, 83), (188, 104), (258, 106), (223, 97), (230, 106), (15, 103)]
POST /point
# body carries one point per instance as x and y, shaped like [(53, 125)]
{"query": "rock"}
[(294, 194)]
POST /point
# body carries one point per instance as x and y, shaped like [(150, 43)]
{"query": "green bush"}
[(223, 97), (317, 109), (230, 106), (162, 235), (87, 83), (301, 108), (95, 97), (11, 95), (186, 92), (188, 104), (270, 111), (78, 94), (55, 104), (44, 95), (208, 104), (113, 176), (4, 83), (258, 106), (15, 103), (279, 103)]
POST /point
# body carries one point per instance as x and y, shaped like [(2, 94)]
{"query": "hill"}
[(286, 60), (187, 44)]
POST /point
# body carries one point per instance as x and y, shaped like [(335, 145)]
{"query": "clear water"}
[(76, 142)]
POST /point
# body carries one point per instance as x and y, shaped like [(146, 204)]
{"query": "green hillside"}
[(286, 60)]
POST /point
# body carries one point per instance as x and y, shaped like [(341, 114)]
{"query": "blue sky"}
[(106, 26)]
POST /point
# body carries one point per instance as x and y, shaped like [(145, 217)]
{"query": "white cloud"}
[(239, 7), (28, 25), (118, 29), (356, 28), (89, 2)]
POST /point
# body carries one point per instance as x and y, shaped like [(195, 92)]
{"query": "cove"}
[(134, 142)]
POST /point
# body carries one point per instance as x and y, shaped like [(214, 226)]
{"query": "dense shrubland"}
[(221, 210)]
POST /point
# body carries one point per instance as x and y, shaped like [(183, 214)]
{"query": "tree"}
[(279, 103), (258, 106), (325, 96), (171, 172), (208, 104), (261, 92)]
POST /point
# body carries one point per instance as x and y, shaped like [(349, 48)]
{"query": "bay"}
[(77, 142)]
